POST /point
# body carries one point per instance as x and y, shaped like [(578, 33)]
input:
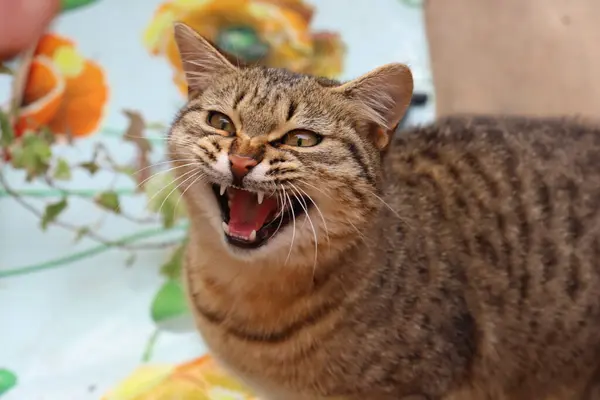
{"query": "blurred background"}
[(91, 225)]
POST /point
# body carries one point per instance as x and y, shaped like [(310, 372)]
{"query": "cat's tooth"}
[(260, 196), (223, 188), (225, 227), (252, 236)]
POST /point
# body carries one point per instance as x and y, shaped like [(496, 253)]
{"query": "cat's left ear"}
[(382, 96), (201, 61)]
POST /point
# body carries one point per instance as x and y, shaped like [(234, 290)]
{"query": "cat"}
[(331, 259)]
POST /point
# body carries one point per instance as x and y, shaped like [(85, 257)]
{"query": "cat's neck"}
[(209, 259)]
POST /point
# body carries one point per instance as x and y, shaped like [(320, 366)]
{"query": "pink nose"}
[(241, 165)]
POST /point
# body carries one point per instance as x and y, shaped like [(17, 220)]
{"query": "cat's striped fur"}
[(461, 261)]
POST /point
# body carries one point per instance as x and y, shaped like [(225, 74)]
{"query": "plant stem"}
[(48, 193), (119, 134), (78, 229), (63, 261), (412, 3), (150, 346), (122, 213)]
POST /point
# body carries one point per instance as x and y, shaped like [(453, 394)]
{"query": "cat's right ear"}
[(382, 96), (200, 60)]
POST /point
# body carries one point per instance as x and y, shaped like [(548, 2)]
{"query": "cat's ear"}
[(383, 96), (200, 60)]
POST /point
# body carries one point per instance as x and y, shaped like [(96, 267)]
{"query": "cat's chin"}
[(251, 219)]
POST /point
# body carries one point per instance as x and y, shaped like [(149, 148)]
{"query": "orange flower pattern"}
[(63, 91)]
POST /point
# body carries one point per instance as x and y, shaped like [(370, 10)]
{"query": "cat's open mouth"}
[(250, 219)]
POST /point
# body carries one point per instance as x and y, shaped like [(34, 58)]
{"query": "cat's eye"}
[(301, 138), (221, 122)]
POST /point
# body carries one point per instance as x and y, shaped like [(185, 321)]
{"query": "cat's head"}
[(270, 157)]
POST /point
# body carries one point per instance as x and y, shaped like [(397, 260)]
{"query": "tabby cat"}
[(329, 260)]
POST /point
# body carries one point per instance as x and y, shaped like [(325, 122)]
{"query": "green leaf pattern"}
[(53, 210), (169, 302), (109, 200), (8, 380), (62, 171), (68, 5)]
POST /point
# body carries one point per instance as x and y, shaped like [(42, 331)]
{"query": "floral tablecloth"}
[(90, 241)]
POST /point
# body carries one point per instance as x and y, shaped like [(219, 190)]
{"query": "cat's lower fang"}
[(225, 228), (252, 236)]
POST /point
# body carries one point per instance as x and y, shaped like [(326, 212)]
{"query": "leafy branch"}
[(32, 153), (53, 210), (108, 200)]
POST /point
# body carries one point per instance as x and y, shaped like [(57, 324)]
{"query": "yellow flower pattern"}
[(275, 33), (201, 379)]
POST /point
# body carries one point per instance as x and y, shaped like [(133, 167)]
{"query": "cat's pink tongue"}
[(245, 214)]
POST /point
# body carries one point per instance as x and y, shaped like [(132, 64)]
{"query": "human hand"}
[(22, 22)]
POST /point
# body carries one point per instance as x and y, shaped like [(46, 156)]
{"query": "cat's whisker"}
[(280, 200), (316, 188), (275, 190), (281, 213), (318, 210), (195, 73), (151, 138), (164, 172), (307, 216), (300, 200), (177, 187), (161, 163), (164, 187), (391, 209), (294, 228), (199, 176), (358, 231), (298, 196)]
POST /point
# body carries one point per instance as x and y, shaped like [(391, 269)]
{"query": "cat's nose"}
[(241, 165)]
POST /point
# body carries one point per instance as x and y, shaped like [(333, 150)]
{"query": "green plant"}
[(34, 154)]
